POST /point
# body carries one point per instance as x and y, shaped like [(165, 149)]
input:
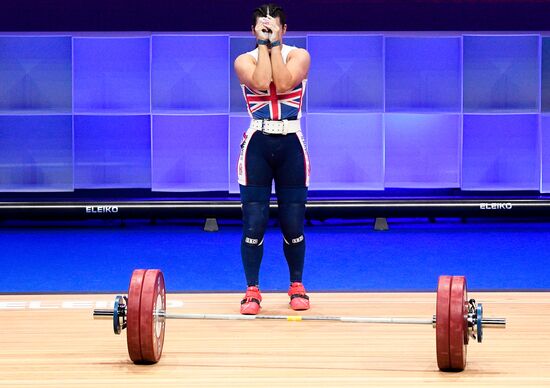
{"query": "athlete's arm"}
[(286, 77), (252, 73)]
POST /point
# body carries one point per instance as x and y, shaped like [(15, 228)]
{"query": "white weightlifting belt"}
[(272, 127)]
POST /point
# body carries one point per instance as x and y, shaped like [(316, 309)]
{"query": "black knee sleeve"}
[(255, 207), (255, 218), (292, 208), (291, 217)]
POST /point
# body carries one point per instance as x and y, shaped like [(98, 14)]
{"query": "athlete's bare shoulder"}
[(245, 58), (298, 53)]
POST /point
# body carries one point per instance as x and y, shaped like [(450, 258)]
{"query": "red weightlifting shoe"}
[(250, 305), (298, 298)]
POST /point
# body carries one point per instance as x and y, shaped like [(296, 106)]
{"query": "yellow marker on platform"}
[(294, 318)]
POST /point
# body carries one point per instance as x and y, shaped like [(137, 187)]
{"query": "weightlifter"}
[(273, 79)]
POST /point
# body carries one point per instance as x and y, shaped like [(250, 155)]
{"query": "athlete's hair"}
[(274, 10)]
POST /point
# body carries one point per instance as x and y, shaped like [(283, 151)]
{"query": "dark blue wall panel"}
[(36, 153), (501, 152), (190, 152), (423, 74), (346, 151), (501, 73), (545, 75), (388, 111), (35, 74), (422, 150), (346, 73), (111, 75), (112, 151), (190, 73)]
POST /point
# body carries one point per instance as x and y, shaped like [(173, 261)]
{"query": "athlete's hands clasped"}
[(261, 31), (268, 28)]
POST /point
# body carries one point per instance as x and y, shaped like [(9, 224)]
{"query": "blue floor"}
[(340, 256)]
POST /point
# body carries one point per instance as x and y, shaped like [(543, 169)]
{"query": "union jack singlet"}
[(267, 104)]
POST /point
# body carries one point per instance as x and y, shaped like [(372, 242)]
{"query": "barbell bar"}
[(486, 322), (143, 313)]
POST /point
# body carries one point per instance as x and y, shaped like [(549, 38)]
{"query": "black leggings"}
[(281, 158)]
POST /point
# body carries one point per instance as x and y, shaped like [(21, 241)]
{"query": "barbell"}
[(143, 314)]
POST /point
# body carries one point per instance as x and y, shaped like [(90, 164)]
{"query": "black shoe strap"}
[(246, 300), (303, 296)]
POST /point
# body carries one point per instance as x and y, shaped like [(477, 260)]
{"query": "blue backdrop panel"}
[(545, 145), (422, 150), (112, 75), (423, 74), (545, 81), (112, 152), (346, 73), (240, 45), (190, 73), (190, 152), (346, 151), (501, 73), (35, 74), (36, 153), (501, 152)]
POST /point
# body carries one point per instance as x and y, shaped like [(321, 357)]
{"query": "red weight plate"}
[(442, 322), (132, 318), (153, 300), (458, 325)]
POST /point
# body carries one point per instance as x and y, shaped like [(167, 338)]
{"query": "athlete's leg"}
[(255, 207), (255, 177), (291, 178)]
